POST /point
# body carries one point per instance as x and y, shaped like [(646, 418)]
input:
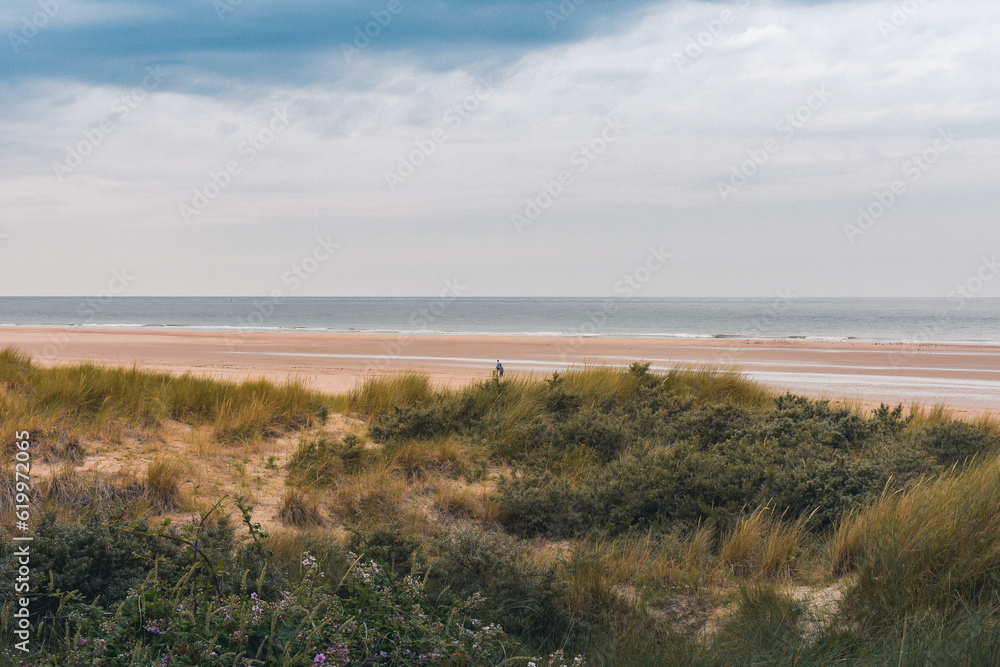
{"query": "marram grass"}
[(87, 399)]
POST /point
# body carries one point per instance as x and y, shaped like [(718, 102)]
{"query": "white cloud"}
[(686, 131)]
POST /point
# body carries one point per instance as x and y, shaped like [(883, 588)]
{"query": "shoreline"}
[(236, 332), (963, 376)]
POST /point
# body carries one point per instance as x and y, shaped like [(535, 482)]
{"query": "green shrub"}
[(376, 619), (389, 546), (951, 443), (93, 558), (527, 598)]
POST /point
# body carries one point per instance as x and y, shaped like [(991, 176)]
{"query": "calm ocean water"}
[(900, 320)]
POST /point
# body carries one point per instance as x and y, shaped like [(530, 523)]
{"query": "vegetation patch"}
[(604, 516)]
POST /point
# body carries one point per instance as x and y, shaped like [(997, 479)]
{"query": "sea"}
[(909, 320)]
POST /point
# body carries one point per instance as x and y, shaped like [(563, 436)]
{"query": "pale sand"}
[(966, 377)]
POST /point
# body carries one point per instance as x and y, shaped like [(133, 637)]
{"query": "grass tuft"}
[(300, 508), (163, 481), (378, 395), (761, 544), (935, 545)]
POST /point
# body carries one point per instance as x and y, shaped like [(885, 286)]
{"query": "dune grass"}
[(933, 545), (86, 399), (763, 545), (378, 395)]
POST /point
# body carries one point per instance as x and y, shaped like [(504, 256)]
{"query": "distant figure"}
[(499, 370)]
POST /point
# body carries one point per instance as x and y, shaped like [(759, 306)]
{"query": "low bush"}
[(952, 443), (499, 571), (370, 617)]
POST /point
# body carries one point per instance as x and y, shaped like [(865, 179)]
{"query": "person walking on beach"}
[(499, 371)]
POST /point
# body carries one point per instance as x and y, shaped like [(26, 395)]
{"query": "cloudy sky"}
[(529, 147)]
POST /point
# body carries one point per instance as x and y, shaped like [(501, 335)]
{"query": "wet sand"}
[(966, 377)]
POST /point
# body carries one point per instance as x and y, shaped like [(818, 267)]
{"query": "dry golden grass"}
[(163, 482), (300, 508), (921, 417), (115, 403), (658, 563), (935, 543), (579, 463), (697, 566), (763, 545), (371, 496), (66, 489), (459, 500), (713, 384), (493, 513), (418, 458), (378, 395)]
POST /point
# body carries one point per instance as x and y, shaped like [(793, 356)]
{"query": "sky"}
[(499, 147)]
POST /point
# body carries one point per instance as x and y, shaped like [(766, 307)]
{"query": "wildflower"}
[(82, 641), (320, 658)]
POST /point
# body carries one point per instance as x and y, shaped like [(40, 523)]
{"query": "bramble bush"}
[(526, 597), (149, 611)]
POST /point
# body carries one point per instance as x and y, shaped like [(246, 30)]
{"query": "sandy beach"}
[(966, 377)]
